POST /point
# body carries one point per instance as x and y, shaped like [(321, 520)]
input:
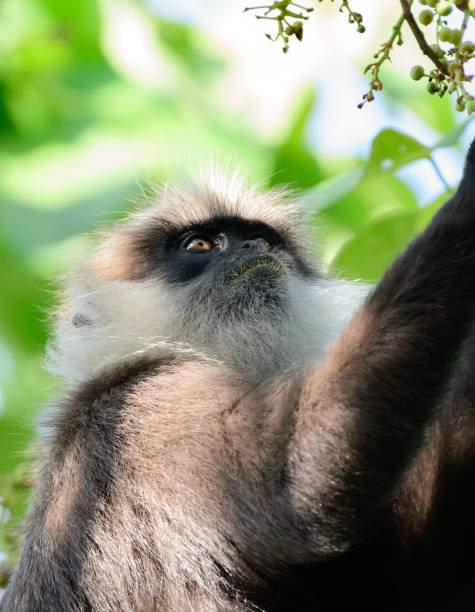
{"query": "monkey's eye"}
[(198, 245), (262, 243)]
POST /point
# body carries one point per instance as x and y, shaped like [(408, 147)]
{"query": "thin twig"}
[(439, 174)]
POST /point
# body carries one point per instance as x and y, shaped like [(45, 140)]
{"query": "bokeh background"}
[(97, 97)]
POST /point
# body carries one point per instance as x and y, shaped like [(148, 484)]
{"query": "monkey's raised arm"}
[(362, 415)]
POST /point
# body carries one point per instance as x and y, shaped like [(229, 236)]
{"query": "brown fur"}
[(172, 484)]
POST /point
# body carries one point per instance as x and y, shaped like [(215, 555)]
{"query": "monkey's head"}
[(217, 272)]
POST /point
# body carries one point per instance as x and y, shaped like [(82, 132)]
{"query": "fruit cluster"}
[(289, 22), (446, 47), (450, 52)]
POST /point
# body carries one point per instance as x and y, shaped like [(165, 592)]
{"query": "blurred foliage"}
[(80, 126)]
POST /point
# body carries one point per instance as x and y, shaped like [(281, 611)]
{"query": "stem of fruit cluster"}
[(419, 36)]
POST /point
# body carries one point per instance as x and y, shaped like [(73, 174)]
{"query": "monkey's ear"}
[(468, 178)]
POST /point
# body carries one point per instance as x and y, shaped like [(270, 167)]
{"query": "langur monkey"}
[(242, 433)]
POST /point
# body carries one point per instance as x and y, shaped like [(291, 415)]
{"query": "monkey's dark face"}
[(235, 262)]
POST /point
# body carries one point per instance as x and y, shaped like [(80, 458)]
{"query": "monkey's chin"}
[(261, 267), (254, 289)]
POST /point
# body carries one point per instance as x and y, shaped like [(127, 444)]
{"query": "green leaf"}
[(372, 250), (369, 254), (374, 196), (392, 149)]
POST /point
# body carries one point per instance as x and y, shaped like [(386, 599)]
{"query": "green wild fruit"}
[(417, 72), (455, 37), (432, 87), (445, 34), (426, 16), (444, 8)]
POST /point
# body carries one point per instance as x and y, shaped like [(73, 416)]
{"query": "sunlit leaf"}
[(368, 254), (373, 249), (373, 196), (392, 149)]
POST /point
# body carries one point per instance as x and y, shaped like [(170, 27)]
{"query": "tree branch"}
[(419, 36)]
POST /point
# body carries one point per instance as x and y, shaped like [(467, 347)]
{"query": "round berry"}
[(361, 28), (444, 8), (455, 37), (432, 87), (467, 47), (460, 107), (426, 16), (445, 34), (437, 50), (417, 72)]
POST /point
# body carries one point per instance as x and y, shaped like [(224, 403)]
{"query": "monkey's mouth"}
[(264, 263)]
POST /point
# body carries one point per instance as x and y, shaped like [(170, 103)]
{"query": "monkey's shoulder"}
[(156, 403)]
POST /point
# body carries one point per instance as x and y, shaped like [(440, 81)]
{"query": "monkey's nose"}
[(256, 243)]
